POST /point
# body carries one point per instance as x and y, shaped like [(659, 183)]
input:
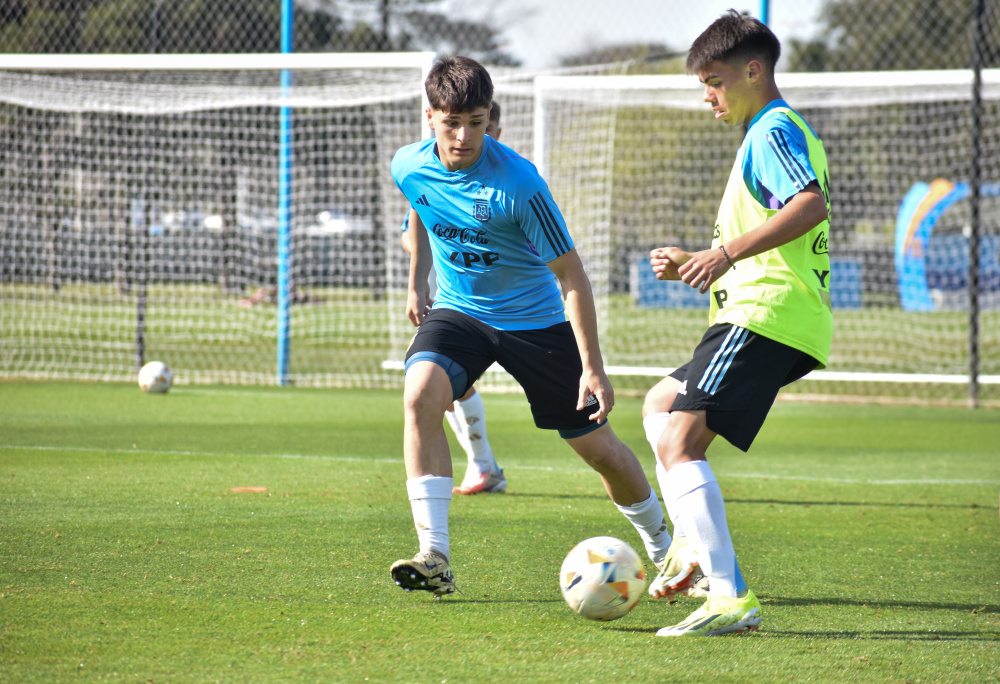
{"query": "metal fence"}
[(525, 38), (818, 35)]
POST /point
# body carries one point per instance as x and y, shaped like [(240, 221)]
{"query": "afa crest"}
[(481, 212)]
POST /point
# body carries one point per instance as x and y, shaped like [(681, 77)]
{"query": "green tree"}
[(426, 25), (643, 58), (43, 26), (238, 26), (866, 35)]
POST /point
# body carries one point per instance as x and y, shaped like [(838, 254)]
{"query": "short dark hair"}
[(495, 111), (734, 37), (458, 84)]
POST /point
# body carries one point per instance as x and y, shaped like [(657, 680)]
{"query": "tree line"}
[(238, 26)]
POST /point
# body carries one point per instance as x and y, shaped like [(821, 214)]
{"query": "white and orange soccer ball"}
[(602, 578), (156, 377)]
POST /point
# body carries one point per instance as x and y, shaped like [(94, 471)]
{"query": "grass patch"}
[(870, 534)]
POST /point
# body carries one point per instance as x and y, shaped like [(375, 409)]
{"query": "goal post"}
[(637, 162), (150, 184), (157, 175)]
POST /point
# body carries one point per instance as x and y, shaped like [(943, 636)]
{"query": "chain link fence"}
[(818, 35), (115, 181)]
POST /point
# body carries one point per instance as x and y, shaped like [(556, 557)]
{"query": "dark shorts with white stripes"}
[(734, 377)]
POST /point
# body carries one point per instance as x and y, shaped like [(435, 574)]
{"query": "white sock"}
[(647, 518), (661, 478), (693, 490), (430, 498), (654, 425), (468, 420)]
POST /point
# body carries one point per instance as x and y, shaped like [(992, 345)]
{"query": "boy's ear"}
[(754, 69)]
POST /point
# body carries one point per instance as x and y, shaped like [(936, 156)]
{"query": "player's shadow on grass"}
[(769, 600), (589, 497), (889, 635), (494, 600), (874, 635), (893, 504)]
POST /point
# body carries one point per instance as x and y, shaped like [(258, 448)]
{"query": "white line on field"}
[(567, 469)]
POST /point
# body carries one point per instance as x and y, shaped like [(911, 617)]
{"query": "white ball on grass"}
[(602, 578), (156, 377)]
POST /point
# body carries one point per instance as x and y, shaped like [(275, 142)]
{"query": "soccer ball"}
[(156, 377), (602, 578)]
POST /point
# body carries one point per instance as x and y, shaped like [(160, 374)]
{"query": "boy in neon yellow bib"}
[(768, 271)]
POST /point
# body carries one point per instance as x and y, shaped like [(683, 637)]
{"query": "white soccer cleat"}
[(719, 615), (428, 571)]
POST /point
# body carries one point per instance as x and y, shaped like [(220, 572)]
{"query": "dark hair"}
[(734, 37), (495, 111), (458, 84)]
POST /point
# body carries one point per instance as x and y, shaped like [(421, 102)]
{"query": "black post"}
[(154, 37), (975, 175), (384, 13), (142, 235), (141, 280)]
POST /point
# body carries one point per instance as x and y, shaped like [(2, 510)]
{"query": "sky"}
[(541, 31)]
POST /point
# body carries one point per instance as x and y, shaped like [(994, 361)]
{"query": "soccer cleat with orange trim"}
[(492, 482), (679, 574)]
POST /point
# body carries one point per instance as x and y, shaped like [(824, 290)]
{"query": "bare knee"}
[(602, 450), (671, 451), (685, 439), (426, 393), (660, 397)]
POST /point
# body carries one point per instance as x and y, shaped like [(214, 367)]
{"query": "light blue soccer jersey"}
[(775, 163), (493, 227)]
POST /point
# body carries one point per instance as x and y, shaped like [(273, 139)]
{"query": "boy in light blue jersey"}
[(467, 415), (770, 321), (502, 253), (493, 229)]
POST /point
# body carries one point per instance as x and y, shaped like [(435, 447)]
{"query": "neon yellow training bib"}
[(783, 293)]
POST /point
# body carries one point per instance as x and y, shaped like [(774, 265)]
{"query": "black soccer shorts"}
[(734, 377), (545, 362)]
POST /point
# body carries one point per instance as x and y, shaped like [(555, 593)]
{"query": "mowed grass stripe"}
[(138, 563), (511, 466)]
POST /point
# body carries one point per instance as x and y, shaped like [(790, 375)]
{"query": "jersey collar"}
[(768, 107)]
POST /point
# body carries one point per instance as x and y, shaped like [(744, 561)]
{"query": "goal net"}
[(141, 216), (638, 162)]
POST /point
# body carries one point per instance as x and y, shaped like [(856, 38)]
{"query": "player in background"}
[(501, 250), (768, 272), (467, 415)]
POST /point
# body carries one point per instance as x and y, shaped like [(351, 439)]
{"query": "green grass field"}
[(871, 535)]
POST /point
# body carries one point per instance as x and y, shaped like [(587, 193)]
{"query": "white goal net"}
[(638, 162), (139, 214)]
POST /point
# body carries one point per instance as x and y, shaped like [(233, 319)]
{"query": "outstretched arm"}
[(582, 315), (803, 212)]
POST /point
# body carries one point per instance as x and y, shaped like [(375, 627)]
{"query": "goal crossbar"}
[(218, 61)]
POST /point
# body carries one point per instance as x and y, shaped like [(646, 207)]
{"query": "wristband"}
[(731, 264)]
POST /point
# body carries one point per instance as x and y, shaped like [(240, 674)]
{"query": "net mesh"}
[(140, 213), (638, 162)]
